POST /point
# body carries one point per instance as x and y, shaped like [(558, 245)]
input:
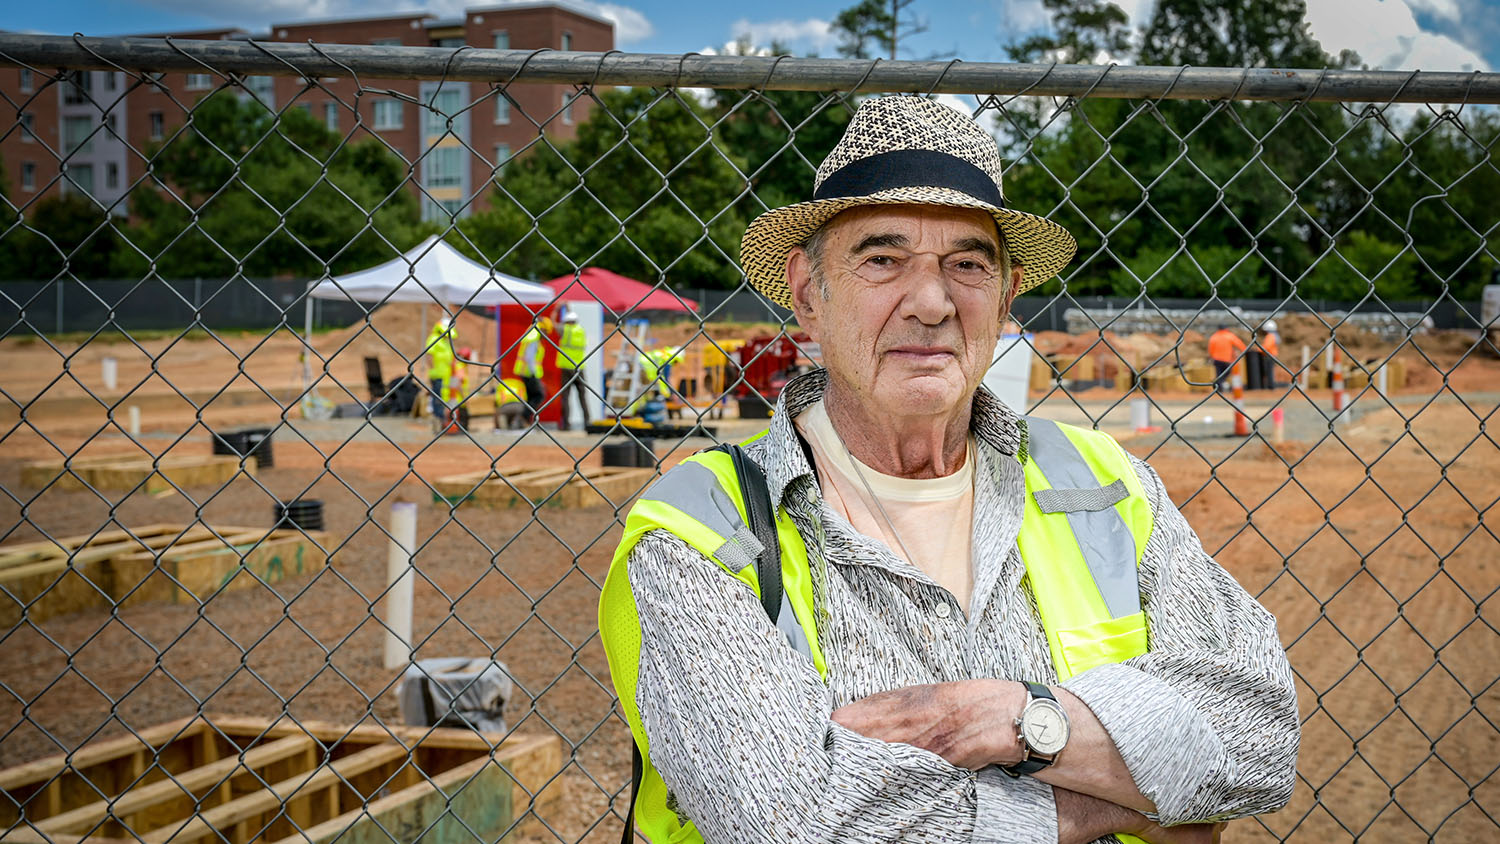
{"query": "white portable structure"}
[(432, 272)]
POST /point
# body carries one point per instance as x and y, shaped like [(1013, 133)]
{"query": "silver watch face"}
[(1044, 726)]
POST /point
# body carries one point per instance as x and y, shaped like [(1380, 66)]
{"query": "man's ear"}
[(1017, 275), (804, 291)]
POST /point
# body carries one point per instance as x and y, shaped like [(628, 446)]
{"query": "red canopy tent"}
[(616, 292)]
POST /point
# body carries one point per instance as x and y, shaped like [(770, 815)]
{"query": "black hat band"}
[(910, 168)]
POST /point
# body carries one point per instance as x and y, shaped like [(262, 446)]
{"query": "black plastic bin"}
[(246, 442), (629, 452), (304, 513)]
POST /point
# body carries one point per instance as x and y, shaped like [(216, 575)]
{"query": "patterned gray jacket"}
[(739, 724)]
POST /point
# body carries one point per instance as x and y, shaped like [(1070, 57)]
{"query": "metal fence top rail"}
[(757, 72)]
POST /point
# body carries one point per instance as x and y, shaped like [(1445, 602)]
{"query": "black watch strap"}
[(1030, 765)]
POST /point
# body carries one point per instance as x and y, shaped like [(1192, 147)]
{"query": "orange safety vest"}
[(1222, 345)]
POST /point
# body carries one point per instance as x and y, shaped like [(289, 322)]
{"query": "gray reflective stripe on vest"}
[(694, 489), (787, 623), (1102, 535)]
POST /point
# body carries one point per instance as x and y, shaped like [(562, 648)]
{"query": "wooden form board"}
[(127, 472), (161, 562), (244, 779), (534, 487)]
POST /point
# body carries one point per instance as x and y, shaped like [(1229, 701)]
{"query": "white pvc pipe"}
[(135, 421), (1302, 373), (1380, 382), (109, 369), (398, 578)]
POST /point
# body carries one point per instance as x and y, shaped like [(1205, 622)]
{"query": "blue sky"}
[(1393, 34)]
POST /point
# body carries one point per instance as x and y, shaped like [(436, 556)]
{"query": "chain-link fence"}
[(211, 630)]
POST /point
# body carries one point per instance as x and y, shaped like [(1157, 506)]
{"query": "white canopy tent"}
[(432, 272)]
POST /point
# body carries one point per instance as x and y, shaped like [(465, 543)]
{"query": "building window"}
[(199, 81), (264, 89), (388, 114), (441, 210), (567, 107), (26, 83), (449, 42), (502, 107), (76, 135), (502, 155), (82, 176), (111, 176), (112, 125), (444, 105), (28, 176), (79, 84), (567, 41), (331, 116), (445, 167), (502, 40), (386, 42), (28, 126), (158, 129), (109, 81)]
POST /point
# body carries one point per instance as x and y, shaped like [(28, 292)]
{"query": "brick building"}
[(98, 122)]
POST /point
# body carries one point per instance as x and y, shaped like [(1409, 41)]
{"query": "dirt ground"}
[(1372, 549)]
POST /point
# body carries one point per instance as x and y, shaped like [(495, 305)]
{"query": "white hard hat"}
[(570, 316), (1269, 326)]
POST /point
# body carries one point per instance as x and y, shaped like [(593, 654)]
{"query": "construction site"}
[(1362, 531)]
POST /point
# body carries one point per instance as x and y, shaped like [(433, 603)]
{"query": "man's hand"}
[(1081, 819), (969, 722)]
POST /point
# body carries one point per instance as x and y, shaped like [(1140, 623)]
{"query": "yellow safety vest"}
[(529, 356), (572, 346), (440, 348), (1084, 530)]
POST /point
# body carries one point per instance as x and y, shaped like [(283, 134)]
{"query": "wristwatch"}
[(1043, 727)]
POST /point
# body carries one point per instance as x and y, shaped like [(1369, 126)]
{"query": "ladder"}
[(626, 381)]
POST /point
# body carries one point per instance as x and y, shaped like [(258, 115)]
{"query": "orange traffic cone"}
[(1241, 421)]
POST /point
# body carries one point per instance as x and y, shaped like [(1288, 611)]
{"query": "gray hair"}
[(816, 243)]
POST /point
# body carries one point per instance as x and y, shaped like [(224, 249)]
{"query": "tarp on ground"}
[(616, 292), (432, 272)]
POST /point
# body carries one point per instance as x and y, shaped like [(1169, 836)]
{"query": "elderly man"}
[(989, 627)]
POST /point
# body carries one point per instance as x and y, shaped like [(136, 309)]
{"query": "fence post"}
[(399, 584)]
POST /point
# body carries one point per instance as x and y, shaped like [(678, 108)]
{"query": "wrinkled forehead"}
[(922, 226)]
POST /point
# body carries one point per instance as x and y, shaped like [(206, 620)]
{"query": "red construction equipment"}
[(767, 363)]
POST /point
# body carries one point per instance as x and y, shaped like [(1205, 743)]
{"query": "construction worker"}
[(1270, 342), (510, 403), (529, 366), (572, 348), (1224, 348), (439, 350)]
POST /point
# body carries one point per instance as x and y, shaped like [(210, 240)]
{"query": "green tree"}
[(645, 189), (65, 235), (1082, 29), (866, 30), (243, 190), (1230, 33)]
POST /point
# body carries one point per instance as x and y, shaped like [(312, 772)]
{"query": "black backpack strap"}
[(760, 517)]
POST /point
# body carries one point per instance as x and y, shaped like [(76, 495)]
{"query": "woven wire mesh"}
[(172, 667)]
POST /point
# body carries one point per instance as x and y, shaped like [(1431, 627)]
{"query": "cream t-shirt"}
[(933, 516)]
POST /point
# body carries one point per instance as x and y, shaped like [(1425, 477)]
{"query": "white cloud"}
[(1446, 9), (255, 15), (799, 36), (1386, 35)]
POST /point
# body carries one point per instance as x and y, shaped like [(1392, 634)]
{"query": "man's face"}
[(915, 296)]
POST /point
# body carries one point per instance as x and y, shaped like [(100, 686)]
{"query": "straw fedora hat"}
[(904, 150)]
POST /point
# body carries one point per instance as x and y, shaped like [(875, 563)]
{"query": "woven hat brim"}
[(1036, 243)]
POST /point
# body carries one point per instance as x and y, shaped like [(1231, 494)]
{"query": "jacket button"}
[(943, 610)]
